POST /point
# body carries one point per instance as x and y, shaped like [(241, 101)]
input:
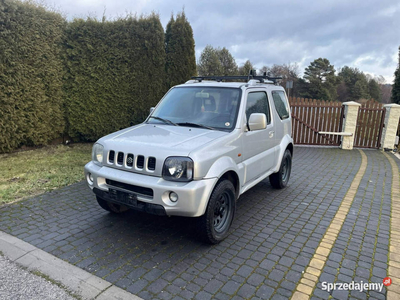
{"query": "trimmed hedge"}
[(84, 78), (31, 74)]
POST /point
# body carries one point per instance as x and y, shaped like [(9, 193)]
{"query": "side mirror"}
[(257, 121), (151, 109)]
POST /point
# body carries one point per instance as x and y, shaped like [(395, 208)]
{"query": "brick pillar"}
[(349, 124), (389, 130)]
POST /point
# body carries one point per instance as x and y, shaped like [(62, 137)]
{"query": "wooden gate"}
[(370, 122), (310, 116)]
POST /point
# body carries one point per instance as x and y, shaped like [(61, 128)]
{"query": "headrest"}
[(209, 104)]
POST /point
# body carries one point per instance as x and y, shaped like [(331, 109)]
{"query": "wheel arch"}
[(286, 143), (290, 148), (234, 178), (226, 168)]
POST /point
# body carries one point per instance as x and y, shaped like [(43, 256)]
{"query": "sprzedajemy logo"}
[(355, 286)]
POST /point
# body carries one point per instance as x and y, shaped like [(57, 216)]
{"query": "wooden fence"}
[(311, 116), (371, 116)]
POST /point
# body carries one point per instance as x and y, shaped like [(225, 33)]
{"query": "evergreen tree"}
[(228, 63), (209, 62), (245, 69), (356, 82), (361, 88), (216, 62), (179, 48), (396, 85), (322, 80), (374, 90)]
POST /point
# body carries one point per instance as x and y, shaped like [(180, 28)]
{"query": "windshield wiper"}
[(195, 125), (166, 121)]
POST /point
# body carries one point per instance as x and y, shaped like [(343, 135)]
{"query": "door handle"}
[(271, 134)]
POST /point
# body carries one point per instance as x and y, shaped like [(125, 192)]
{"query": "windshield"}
[(206, 107)]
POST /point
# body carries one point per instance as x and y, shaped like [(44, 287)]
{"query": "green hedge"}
[(31, 74), (84, 78)]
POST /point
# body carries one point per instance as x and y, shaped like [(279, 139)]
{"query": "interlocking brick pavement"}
[(274, 235)]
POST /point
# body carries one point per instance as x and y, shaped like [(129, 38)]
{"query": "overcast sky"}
[(358, 33)]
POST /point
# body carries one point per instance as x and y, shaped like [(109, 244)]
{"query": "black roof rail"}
[(261, 78)]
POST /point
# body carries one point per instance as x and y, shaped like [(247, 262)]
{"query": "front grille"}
[(129, 160), (111, 156), (134, 188), (140, 162), (151, 164), (120, 158)]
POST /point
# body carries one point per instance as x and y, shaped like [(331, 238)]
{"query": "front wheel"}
[(215, 223), (280, 179)]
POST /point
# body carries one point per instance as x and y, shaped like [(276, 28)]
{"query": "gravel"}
[(17, 283)]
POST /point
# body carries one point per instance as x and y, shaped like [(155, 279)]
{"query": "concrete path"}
[(65, 281)]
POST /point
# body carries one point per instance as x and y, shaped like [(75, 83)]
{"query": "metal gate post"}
[(390, 128), (349, 124)]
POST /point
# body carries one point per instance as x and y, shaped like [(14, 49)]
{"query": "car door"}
[(258, 145)]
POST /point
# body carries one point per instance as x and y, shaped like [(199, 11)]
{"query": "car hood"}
[(158, 141)]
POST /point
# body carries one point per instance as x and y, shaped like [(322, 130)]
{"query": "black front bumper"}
[(120, 198)]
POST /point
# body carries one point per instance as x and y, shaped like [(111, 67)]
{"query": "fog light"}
[(90, 178), (173, 196)]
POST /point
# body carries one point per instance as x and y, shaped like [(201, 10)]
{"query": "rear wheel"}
[(215, 223), (111, 207), (280, 179)]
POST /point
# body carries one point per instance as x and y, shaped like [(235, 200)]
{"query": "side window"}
[(257, 102), (281, 104)]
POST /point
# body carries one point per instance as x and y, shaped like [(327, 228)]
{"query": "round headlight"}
[(97, 153), (178, 168)]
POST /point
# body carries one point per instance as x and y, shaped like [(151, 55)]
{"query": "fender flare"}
[(221, 166), (286, 141)]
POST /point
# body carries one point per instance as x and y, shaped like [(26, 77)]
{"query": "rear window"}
[(281, 104)]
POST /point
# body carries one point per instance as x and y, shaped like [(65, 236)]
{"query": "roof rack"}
[(261, 78)]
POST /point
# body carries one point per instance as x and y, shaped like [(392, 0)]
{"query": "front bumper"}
[(193, 195)]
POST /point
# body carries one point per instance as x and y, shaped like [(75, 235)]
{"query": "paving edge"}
[(394, 240), (79, 281)]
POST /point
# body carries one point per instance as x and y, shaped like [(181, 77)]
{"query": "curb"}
[(83, 283)]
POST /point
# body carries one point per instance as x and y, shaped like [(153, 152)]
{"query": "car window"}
[(281, 104), (209, 106), (257, 102)]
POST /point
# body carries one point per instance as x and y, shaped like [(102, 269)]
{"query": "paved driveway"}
[(274, 238)]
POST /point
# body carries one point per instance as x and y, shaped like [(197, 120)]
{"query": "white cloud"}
[(361, 33)]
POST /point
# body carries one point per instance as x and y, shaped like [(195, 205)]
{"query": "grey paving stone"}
[(265, 292)]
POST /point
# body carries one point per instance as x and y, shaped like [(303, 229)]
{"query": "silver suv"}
[(206, 142)]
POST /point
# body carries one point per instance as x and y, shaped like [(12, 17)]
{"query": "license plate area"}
[(128, 199)]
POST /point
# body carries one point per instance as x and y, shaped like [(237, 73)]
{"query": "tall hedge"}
[(179, 48), (31, 74), (115, 73), (85, 78)]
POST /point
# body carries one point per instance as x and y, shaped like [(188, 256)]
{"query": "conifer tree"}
[(396, 85), (179, 48)]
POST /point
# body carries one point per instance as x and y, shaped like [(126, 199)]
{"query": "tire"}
[(280, 179), (111, 207), (215, 223)]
